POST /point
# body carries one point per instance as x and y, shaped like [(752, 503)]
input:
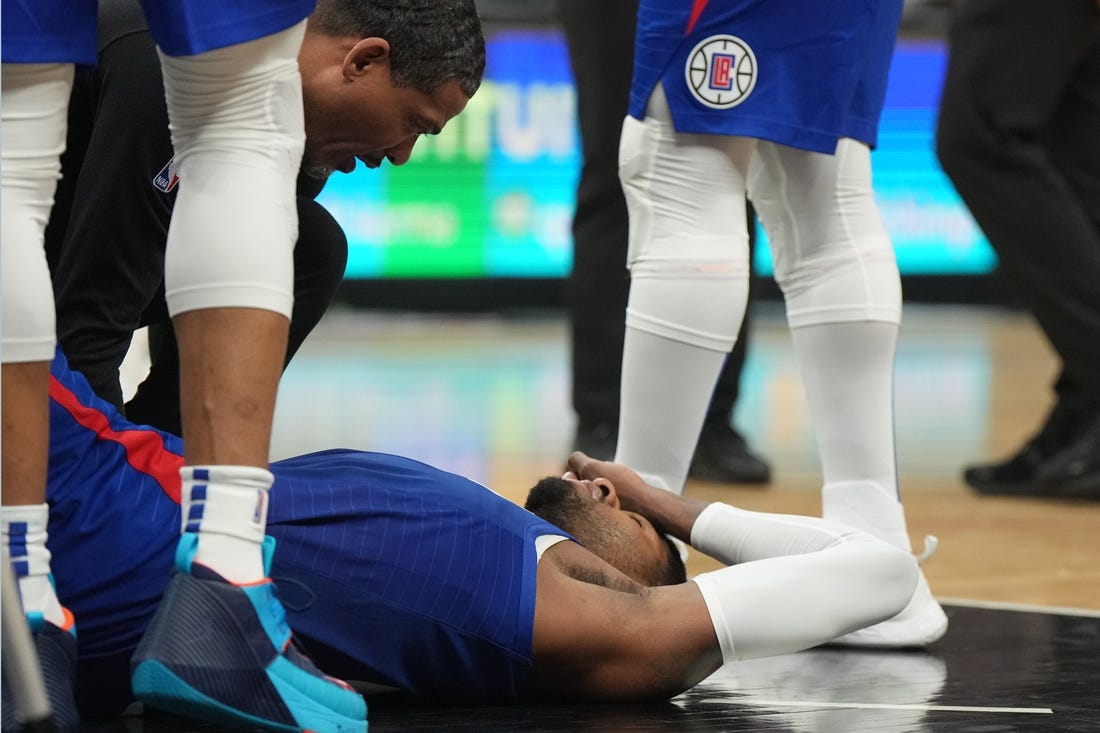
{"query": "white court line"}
[(1006, 606), (887, 706)]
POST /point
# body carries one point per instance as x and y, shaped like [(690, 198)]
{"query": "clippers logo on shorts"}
[(166, 179), (721, 71)]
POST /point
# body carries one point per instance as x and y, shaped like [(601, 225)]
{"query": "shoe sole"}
[(156, 686), (912, 635)]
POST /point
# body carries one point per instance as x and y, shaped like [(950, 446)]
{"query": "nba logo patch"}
[(259, 516), (721, 71), (166, 179)]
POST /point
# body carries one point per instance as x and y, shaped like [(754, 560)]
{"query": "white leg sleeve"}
[(238, 131), (848, 373), (794, 582), (32, 137), (836, 266), (688, 260), (666, 388)]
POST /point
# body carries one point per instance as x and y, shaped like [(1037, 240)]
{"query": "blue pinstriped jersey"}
[(392, 572)]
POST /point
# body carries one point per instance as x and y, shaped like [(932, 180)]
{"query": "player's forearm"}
[(670, 513)]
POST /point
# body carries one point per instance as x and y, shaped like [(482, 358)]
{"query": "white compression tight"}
[(34, 106), (238, 131), (794, 582)]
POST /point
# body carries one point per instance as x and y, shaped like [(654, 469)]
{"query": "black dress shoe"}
[(1019, 474), (724, 456), (1015, 475), (1073, 472)]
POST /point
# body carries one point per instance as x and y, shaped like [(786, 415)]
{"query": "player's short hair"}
[(431, 41)]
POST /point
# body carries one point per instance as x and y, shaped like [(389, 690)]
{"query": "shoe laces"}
[(297, 654), (931, 542)]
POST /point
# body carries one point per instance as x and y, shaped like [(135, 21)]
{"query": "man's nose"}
[(400, 154)]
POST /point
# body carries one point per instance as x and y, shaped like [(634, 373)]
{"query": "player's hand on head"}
[(629, 486)]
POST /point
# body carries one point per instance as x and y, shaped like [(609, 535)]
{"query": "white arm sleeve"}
[(794, 582)]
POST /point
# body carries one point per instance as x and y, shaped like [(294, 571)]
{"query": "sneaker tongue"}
[(931, 542)]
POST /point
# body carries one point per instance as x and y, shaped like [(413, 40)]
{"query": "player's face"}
[(354, 111), (590, 511)]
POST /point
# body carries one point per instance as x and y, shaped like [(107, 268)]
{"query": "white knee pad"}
[(32, 138), (703, 312), (833, 257), (239, 132), (688, 235)]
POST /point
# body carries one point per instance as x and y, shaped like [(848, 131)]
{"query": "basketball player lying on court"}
[(405, 576)]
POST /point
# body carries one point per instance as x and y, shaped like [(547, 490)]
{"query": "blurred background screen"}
[(492, 196)]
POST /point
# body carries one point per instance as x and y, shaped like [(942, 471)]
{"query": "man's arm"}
[(792, 582)]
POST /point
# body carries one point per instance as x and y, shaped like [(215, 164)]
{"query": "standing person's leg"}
[(238, 131), (689, 285), (107, 232), (320, 258), (1075, 148), (35, 99), (229, 263), (600, 36), (41, 43), (1017, 136), (836, 267)]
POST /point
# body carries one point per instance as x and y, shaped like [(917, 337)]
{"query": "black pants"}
[(600, 34), (1019, 136), (107, 233), (320, 257)]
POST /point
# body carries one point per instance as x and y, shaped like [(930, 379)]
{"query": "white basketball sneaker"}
[(875, 510)]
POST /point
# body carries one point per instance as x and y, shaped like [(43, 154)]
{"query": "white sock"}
[(226, 506), (24, 534)]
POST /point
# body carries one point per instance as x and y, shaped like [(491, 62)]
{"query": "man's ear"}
[(368, 54)]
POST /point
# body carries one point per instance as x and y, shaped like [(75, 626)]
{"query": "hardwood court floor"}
[(489, 397)]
